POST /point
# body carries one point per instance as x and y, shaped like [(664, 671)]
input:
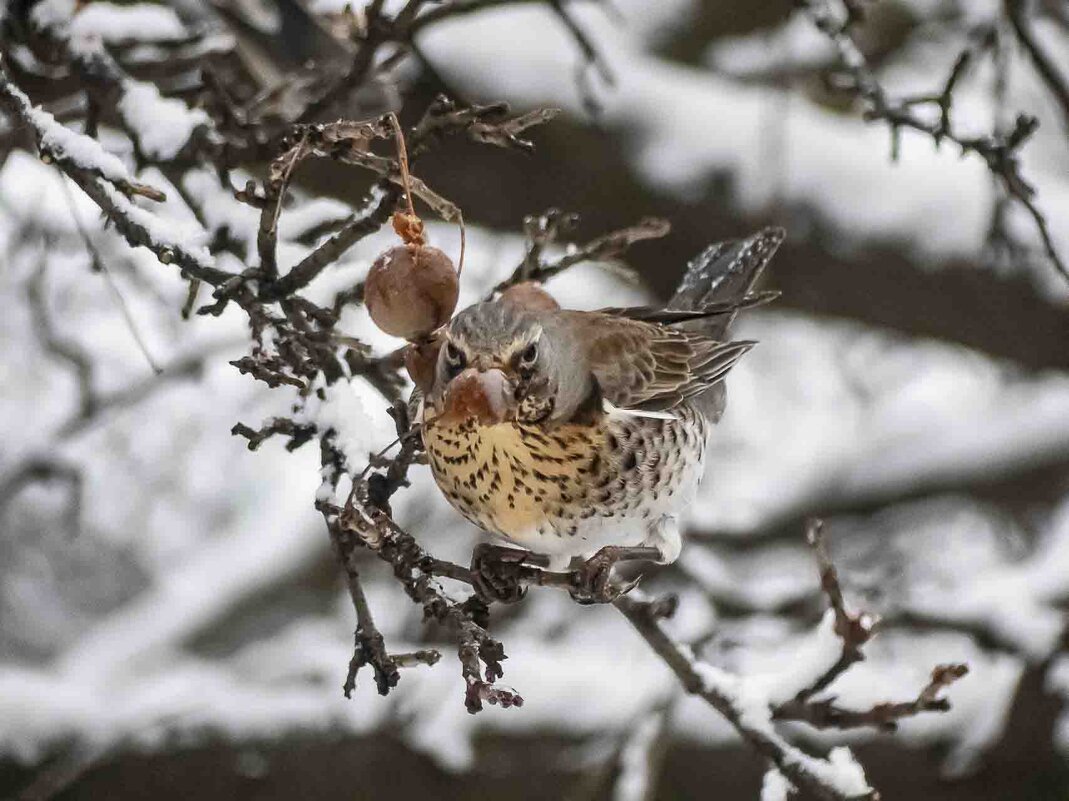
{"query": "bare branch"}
[(1056, 82), (544, 230), (826, 714), (376, 212), (999, 152), (55, 344)]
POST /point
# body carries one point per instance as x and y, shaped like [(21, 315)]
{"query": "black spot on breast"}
[(631, 461)]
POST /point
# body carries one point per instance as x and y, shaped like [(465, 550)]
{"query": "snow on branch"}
[(751, 703), (70, 149), (104, 178), (160, 127)]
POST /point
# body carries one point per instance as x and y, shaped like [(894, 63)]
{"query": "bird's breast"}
[(535, 485), (514, 479)]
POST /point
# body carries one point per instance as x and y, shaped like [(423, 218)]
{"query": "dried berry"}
[(530, 295), (411, 290)]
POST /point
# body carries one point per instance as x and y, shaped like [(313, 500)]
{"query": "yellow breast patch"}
[(512, 479)]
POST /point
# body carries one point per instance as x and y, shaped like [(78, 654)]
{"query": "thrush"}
[(583, 433)]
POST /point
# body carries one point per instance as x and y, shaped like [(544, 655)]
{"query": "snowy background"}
[(172, 620)]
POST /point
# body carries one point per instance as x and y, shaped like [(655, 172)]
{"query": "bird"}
[(582, 435)]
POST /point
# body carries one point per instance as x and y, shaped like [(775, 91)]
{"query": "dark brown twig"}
[(853, 629), (545, 230), (1057, 83), (826, 714)]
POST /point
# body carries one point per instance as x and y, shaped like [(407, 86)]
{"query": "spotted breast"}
[(571, 489)]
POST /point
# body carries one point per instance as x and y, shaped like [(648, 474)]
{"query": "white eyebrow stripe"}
[(532, 337)]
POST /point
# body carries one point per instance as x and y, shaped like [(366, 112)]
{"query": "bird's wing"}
[(659, 314), (650, 367)]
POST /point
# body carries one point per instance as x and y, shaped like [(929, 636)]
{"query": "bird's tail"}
[(720, 280)]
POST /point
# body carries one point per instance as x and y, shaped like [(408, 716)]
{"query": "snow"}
[(824, 413), (53, 13), (795, 43), (774, 787), (129, 673), (190, 238), (1019, 601), (633, 783), (841, 771), (810, 660), (109, 22), (162, 125), (113, 23)]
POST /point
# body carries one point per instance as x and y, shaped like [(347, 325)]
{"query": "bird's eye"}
[(453, 354), (529, 355)]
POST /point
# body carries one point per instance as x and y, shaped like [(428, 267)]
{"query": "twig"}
[(274, 194), (1056, 82), (883, 717), (853, 630), (376, 212), (477, 650), (1000, 153), (543, 231), (55, 344), (101, 265), (298, 433)]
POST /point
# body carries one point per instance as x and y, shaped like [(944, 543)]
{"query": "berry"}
[(530, 295), (411, 290)]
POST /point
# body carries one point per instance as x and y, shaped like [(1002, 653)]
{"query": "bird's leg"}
[(591, 582), (498, 572)]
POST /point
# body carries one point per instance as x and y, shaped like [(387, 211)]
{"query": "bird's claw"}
[(592, 582), (496, 573)]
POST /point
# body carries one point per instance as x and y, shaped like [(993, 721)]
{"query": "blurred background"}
[(172, 620)]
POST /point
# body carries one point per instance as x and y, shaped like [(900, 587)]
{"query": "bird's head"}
[(502, 363)]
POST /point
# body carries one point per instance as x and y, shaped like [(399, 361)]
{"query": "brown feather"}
[(640, 365)]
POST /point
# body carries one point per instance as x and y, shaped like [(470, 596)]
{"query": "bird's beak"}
[(482, 394)]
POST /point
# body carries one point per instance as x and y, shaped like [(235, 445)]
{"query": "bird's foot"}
[(497, 572), (592, 583)]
